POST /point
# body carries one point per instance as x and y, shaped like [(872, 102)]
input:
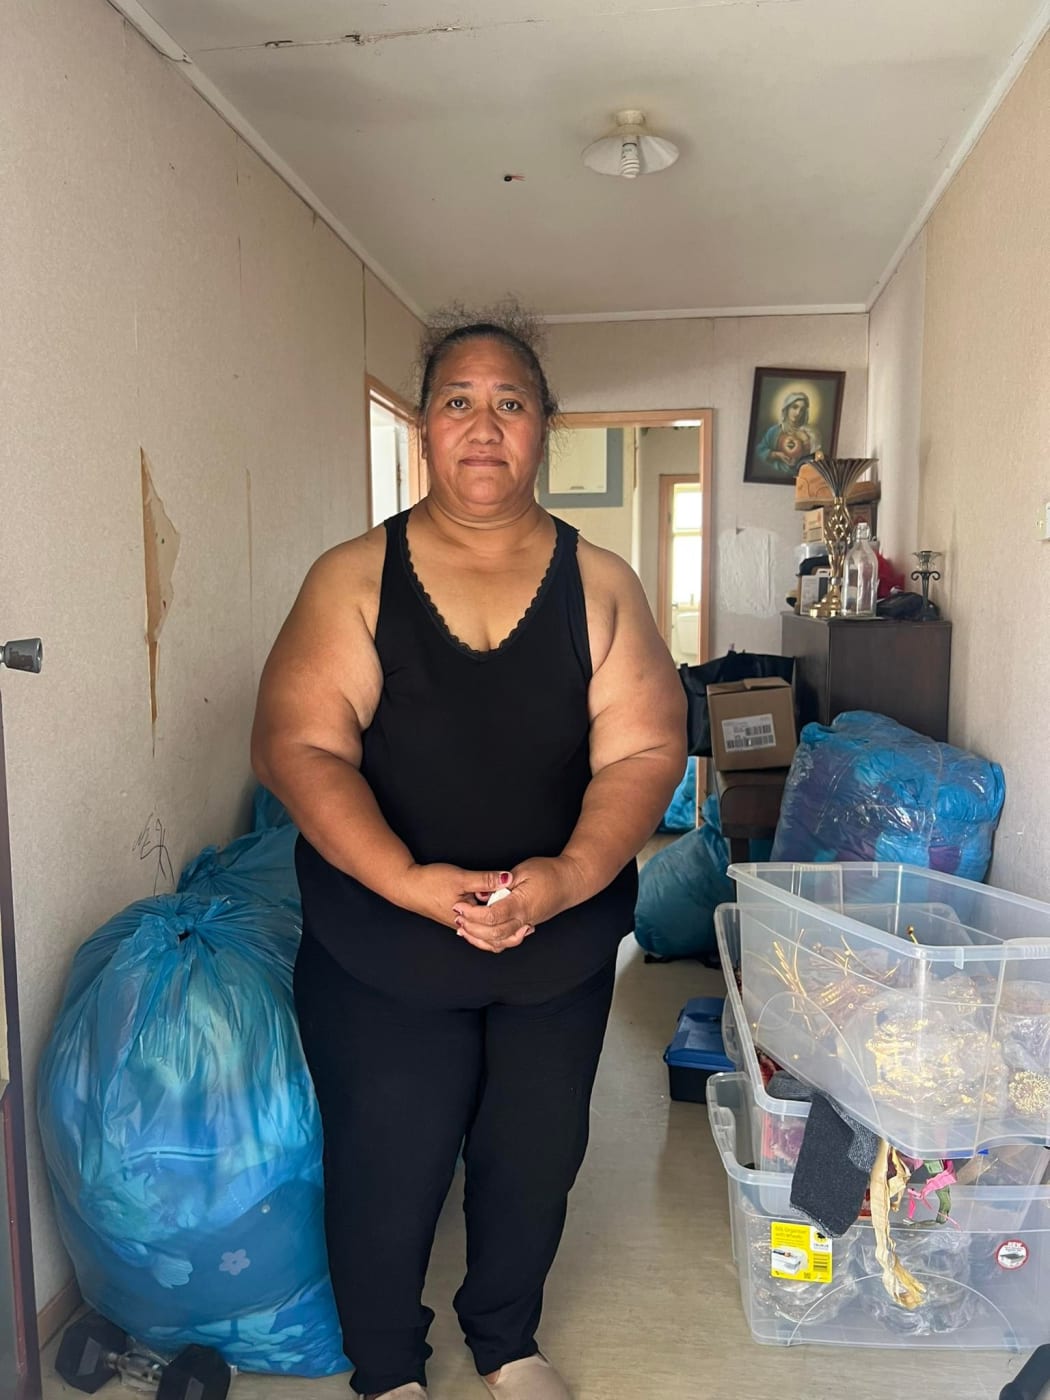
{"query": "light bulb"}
[(630, 158), (631, 150)]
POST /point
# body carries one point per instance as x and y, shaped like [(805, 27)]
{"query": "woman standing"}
[(465, 701)]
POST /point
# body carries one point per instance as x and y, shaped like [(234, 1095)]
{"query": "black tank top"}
[(480, 759)]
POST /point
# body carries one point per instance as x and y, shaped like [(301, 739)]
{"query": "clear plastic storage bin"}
[(777, 1125), (918, 1001), (986, 1274)]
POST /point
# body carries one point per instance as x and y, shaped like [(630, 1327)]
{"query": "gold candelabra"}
[(839, 474)]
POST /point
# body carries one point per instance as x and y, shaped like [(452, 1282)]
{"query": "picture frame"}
[(794, 413), (601, 487)]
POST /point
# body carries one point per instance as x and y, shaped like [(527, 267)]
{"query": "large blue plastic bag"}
[(868, 789), (681, 812), (268, 810), (183, 1139), (259, 866), (680, 888)]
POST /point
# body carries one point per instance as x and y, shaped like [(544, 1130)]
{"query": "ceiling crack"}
[(361, 39)]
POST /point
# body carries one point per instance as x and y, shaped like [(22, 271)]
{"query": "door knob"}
[(27, 655)]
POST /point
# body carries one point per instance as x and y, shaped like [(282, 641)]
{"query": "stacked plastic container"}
[(986, 1274), (921, 1004)]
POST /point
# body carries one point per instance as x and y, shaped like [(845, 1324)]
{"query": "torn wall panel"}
[(161, 543), (747, 560)]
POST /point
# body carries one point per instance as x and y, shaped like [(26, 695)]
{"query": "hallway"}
[(643, 1302)]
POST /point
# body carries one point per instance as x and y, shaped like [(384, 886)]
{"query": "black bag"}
[(724, 670)]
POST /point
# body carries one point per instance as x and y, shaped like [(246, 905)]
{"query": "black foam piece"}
[(833, 1169)]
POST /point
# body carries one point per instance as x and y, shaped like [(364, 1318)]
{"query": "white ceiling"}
[(813, 135)]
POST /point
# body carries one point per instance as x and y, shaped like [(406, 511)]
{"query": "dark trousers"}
[(402, 1089)]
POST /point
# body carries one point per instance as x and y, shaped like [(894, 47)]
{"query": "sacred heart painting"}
[(794, 413)]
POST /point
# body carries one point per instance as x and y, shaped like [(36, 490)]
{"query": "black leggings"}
[(402, 1089)]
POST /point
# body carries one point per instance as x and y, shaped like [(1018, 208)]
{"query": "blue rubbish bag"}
[(268, 810), (681, 813), (257, 867), (679, 890), (183, 1140), (868, 789)]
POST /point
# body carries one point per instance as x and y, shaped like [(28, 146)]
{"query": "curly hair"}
[(506, 322)]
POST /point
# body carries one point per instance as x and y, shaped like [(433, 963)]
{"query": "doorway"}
[(651, 504), (396, 471), (680, 550)]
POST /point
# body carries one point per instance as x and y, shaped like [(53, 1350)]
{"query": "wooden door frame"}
[(377, 392), (704, 419), (27, 1384)]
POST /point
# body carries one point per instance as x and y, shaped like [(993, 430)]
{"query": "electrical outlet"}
[(1043, 522)]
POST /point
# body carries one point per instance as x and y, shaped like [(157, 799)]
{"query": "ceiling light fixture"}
[(631, 150)]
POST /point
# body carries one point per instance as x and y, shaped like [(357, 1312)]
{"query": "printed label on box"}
[(799, 1253), (750, 732)]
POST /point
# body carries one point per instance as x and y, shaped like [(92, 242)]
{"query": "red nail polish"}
[(504, 878)]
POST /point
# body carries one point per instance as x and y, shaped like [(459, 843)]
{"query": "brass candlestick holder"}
[(839, 474), (926, 572)]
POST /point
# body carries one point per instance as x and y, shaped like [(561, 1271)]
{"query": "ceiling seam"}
[(705, 313)]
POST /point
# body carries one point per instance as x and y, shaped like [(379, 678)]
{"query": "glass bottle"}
[(861, 576)]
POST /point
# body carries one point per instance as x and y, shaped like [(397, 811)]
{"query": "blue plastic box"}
[(696, 1052)]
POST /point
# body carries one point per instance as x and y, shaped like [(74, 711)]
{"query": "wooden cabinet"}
[(900, 669)]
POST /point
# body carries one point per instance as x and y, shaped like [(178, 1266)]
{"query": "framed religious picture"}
[(794, 413)]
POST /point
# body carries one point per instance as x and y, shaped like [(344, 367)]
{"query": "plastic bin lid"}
[(697, 1042)]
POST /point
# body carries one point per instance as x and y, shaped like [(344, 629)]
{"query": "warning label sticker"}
[(1012, 1254), (799, 1252)]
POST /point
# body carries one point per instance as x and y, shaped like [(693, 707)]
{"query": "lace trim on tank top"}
[(446, 631)]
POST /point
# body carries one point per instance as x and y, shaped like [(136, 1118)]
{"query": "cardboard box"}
[(812, 490), (813, 521), (752, 724)]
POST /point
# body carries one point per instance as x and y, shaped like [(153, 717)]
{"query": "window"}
[(395, 471), (686, 569)]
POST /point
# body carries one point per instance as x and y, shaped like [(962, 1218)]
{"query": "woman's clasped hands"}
[(539, 889), (530, 894)]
